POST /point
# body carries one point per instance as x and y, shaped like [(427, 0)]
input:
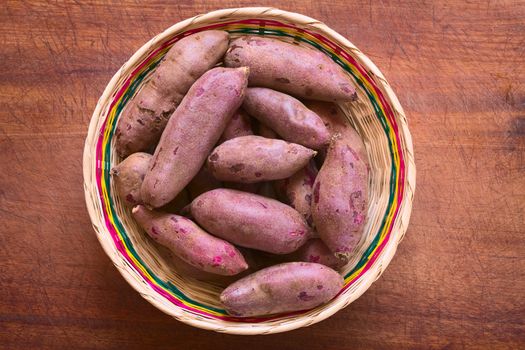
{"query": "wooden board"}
[(458, 278)]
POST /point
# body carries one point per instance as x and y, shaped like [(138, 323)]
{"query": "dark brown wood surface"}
[(458, 278)]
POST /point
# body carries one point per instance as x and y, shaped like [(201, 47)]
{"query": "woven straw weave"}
[(377, 116)]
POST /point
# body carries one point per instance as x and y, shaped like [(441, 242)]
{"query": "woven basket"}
[(377, 116)]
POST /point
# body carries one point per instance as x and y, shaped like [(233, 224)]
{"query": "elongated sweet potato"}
[(128, 176), (340, 197), (192, 132), (298, 189), (293, 69), (146, 115), (239, 125), (251, 221), (187, 270), (191, 243), (250, 159), (282, 288), (287, 116)]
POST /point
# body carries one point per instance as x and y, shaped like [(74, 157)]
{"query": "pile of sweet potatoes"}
[(240, 163)]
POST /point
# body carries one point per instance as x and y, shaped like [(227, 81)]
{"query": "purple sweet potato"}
[(128, 176), (187, 270), (191, 133), (250, 159), (191, 243), (287, 116), (282, 288), (315, 251), (146, 115), (340, 197), (297, 190), (337, 123), (202, 182), (251, 221), (292, 69), (239, 125)]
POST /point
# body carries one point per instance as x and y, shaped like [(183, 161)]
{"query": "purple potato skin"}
[(239, 125), (191, 133), (298, 190), (287, 116), (191, 271), (250, 159), (250, 220), (147, 114), (315, 251), (299, 71), (128, 176), (191, 243), (340, 197), (337, 123), (282, 288)]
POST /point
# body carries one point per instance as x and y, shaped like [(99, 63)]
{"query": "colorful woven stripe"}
[(383, 112)]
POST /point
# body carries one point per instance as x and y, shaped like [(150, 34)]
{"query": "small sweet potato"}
[(282, 288), (239, 125), (292, 69), (191, 243), (251, 221), (287, 116), (315, 251), (146, 115), (191, 133), (340, 197), (250, 159), (297, 190), (128, 176)]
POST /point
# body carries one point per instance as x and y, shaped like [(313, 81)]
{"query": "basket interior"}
[(372, 116)]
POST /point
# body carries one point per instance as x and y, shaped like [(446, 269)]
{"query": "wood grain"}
[(458, 278)]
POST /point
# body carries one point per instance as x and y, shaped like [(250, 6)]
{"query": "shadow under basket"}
[(377, 116)]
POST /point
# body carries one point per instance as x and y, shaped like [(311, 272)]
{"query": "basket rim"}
[(233, 327)]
